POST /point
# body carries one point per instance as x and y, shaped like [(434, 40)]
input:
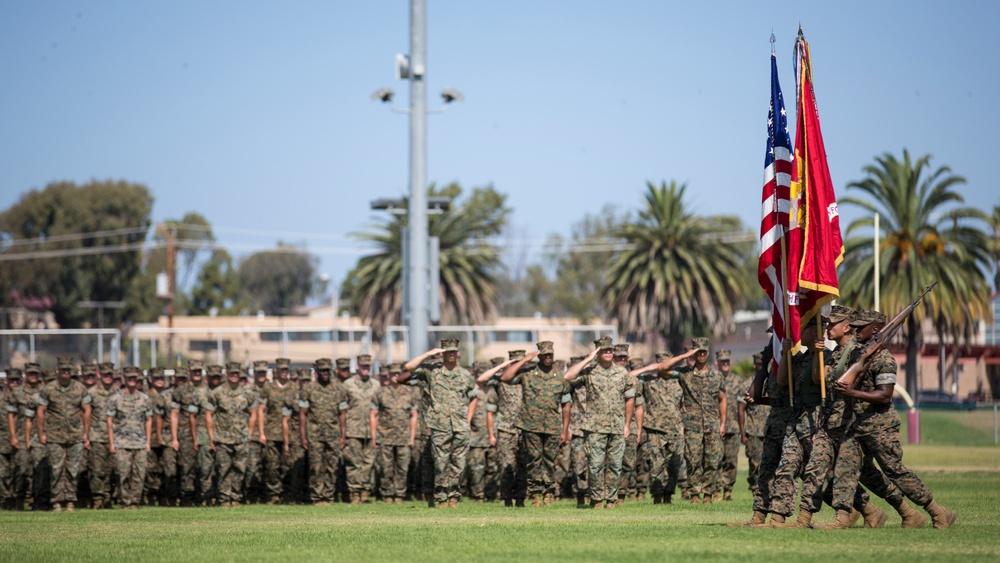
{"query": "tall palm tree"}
[(926, 236), (681, 275), (467, 265)]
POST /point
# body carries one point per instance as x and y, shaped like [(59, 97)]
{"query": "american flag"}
[(773, 267)]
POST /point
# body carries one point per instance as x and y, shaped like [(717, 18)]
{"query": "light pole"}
[(417, 284)]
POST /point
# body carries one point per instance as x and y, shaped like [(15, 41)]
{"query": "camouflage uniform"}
[(579, 464), (181, 405), (278, 402), (447, 395), (253, 483), (755, 420), (100, 459), (874, 435), (395, 405), (734, 385), (7, 451), (206, 457), (64, 410), (297, 472), (510, 461), (230, 408), (608, 390), (802, 426), (322, 405), (702, 442), (662, 423), (778, 419), (128, 413), (33, 475), (540, 422), (482, 464), (421, 475), (359, 455)]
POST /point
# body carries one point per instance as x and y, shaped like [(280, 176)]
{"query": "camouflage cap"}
[(282, 363), (603, 343), (105, 367), (723, 355), (480, 367), (395, 367), (195, 365), (323, 364), (663, 356), (132, 371), (343, 363), (260, 366), (155, 372), (13, 373), (840, 313), (180, 374), (449, 344), (364, 360), (88, 370), (234, 367), (865, 317), (305, 374), (118, 374), (51, 374), (636, 363), (494, 362), (32, 367), (64, 362), (621, 350), (515, 354), (215, 370), (546, 347), (700, 343)]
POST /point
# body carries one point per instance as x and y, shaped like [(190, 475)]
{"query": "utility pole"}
[(171, 280), (418, 317)]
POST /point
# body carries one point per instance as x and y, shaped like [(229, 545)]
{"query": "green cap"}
[(449, 344), (723, 355), (700, 343), (545, 347), (603, 343)]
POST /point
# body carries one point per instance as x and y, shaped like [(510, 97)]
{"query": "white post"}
[(877, 268)]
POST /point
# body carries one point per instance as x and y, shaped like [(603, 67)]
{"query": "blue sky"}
[(257, 114)]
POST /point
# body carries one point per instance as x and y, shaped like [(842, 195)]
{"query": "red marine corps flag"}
[(822, 248)]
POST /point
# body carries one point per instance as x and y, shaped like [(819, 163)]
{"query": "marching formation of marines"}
[(603, 429)]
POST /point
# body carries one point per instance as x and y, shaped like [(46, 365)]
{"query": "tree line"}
[(661, 270)]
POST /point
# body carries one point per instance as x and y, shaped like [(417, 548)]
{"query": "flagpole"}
[(788, 335), (878, 270)]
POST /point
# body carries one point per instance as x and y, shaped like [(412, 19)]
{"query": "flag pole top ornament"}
[(772, 42)]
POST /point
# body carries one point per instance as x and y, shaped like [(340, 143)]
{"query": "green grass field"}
[(965, 478)]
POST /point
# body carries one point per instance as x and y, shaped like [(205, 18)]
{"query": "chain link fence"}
[(43, 346)]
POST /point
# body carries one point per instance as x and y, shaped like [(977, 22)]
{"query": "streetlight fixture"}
[(419, 287)]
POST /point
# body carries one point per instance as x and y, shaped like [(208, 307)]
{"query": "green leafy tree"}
[(277, 281), (468, 265), (680, 275), (87, 241), (926, 236), (217, 287)]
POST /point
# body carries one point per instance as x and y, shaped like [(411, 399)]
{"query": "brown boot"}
[(56, 507), (941, 516), (776, 519), (70, 507), (597, 504), (443, 504), (875, 517), (694, 499), (387, 500), (355, 498), (536, 501), (804, 519), (398, 500), (756, 521), (549, 499), (98, 503), (618, 502), (855, 516), (841, 522), (363, 497), (453, 502), (728, 495), (640, 497), (911, 518), (707, 499)]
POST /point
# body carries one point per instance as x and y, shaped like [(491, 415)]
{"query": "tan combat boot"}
[(443, 504), (98, 504), (911, 518), (941, 516), (70, 507), (707, 499), (775, 519), (597, 504), (536, 501), (855, 516), (640, 497), (728, 495), (355, 498), (841, 522), (717, 497), (56, 507), (548, 500), (875, 517), (363, 497), (387, 500), (453, 502), (694, 499), (756, 521), (803, 520), (398, 500)]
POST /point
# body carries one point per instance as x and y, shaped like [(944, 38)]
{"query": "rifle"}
[(879, 341), (756, 390)]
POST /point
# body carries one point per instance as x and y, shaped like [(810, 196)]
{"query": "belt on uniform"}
[(779, 402), (808, 401)]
